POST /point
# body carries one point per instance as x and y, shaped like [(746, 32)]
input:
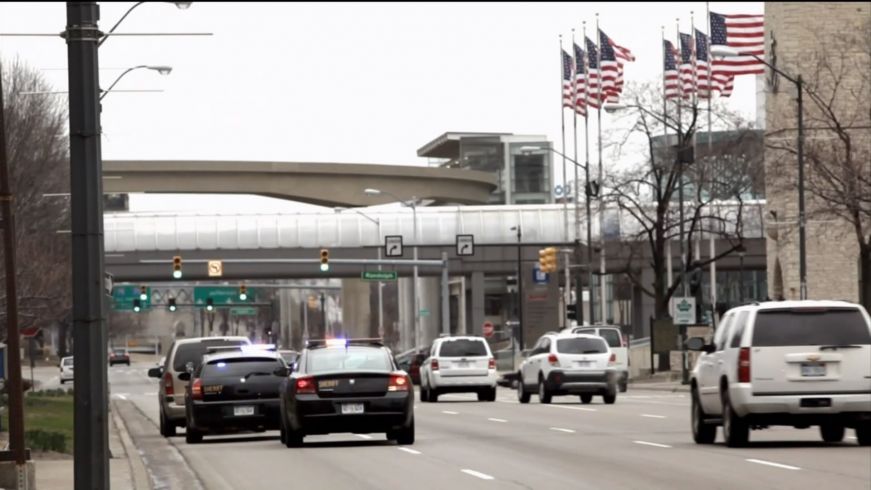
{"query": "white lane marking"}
[(653, 416), (450, 412), (478, 474), (507, 401), (560, 429), (363, 436), (776, 465), (408, 450), (645, 443), (583, 409), (122, 396), (497, 420)]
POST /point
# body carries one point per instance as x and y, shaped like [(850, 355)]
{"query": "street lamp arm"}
[(128, 70), (106, 36), (570, 159), (778, 71)]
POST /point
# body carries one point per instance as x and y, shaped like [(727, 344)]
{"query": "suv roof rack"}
[(375, 341)]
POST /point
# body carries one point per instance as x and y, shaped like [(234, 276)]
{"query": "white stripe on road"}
[(478, 474), (123, 397), (363, 436), (408, 450), (497, 420), (450, 412), (645, 443), (776, 465), (653, 416), (560, 429), (569, 407)]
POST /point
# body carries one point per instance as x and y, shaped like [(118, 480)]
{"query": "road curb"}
[(671, 389), (138, 473)]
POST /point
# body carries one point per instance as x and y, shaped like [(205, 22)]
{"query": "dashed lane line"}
[(654, 444), (652, 416), (477, 474), (776, 465), (560, 429), (409, 450), (497, 420), (450, 412)]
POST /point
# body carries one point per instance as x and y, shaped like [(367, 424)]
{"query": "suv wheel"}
[(522, 395), (610, 397), (292, 438), (167, 428), (544, 395), (863, 434), (624, 385), (424, 393), (586, 398), (832, 431), (487, 395), (703, 433), (192, 436), (735, 429)]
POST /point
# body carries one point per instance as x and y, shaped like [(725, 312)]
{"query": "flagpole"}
[(563, 124), (683, 254), (578, 300), (669, 273), (592, 305), (697, 183), (712, 244), (601, 208)]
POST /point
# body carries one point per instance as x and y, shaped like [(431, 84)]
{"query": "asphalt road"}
[(642, 441)]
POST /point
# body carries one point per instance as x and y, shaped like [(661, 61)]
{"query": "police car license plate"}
[(352, 408), (813, 369), (243, 410)]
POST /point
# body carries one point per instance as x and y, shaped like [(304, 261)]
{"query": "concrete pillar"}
[(355, 307), (477, 288), (405, 303)]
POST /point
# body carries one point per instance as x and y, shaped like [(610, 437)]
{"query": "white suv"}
[(798, 363), (619, 346), (568, 364), (66, 369), (458, 365)]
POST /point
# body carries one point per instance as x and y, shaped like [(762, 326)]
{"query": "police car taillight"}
[(305, 386), (168, 390), (197, 389), (398, 382)]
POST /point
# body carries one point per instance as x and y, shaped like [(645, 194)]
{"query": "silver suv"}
[(185, 355)]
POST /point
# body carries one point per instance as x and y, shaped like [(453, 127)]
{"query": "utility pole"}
[(323, 315), (91, 435)]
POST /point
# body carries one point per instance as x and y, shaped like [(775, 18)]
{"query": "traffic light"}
[(176, 267), (547, 260), (172, 305), (210, 304), (572, 312), (325, 260), (137, 305), (243, 293), (143, 293)]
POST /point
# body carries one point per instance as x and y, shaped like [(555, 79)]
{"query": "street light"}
[(519, 284), (413, 204), (377, 222), (720, 51), (163, 70), (180, 5)]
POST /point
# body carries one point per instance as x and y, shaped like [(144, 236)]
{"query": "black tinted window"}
[(348, 359), (810, 327), (463, 348), (193, 352), (611, 336), (240, 367), (581, 346)]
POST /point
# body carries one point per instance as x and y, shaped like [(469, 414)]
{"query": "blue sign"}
[(539, 277)]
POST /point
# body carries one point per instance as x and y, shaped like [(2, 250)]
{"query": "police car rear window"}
[(810, 327), (463, 348), (240, 367)]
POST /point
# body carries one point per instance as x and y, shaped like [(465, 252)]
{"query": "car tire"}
[(522, 395), (624, 385), (703, 433), (292, 438), (832, 431), (424, 394), (433, 395), (863, 434), (405, 436), (192, 436), (586, 398), (167, 428), (491, 394), (544, 395), (487, 395), (736, 431), (610, 398)]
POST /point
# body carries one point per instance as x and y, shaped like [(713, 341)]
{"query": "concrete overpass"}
[(324, 184)]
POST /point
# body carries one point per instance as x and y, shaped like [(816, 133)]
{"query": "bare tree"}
[(38, 152), (648, 191)]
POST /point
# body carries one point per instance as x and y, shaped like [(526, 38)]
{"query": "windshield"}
[(193, 352), (581, 345), (463, 348), (119, 352), (348, 359), (244, 366), (810, 327)]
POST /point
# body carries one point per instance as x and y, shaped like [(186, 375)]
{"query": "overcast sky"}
[(339, 82)]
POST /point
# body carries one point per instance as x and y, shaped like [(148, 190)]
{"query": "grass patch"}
[(48, 421)]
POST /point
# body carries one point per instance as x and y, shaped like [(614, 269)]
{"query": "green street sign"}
[(221, 295), (379, 275), (244, 311), (123, 296), (424, 312)]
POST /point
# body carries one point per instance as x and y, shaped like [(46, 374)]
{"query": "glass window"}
[(611, 336), (463, 348), (581, 345), (236, 367), (722, 330), (68, 361), (530, 173), (353, 358), (806, 326)]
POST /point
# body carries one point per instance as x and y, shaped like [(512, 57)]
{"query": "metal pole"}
[(592, 303), (520, 286), (91, 435), (562, 117), (567, 293), (601, 204), (324, 315), (380, 287), (446, 308), (802, 250), (415, 285)]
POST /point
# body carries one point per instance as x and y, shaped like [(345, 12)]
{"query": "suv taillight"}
[(492, 363), (398, 382), (744, 365), (168, 389), (197, 389), (613, 359), (434, 364), (305, 386), (553, 359)]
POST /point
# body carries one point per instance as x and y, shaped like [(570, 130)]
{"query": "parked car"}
[(798, 363), (185, 355), (568, 364), (619, 345), (119, 355), (66, 369), (458, 365)]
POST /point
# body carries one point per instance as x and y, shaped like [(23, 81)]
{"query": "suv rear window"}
[(463, 348), (844, 326), (611, 335), (194, 351), (353, 358), (68, 361), (243, 366), (581, 346)]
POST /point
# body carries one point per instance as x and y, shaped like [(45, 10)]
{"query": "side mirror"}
[(185, 376), (698, 344), (155, 372), (281, 371)]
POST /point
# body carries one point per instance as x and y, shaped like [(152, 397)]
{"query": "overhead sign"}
[(123, 296), (465, 245), (684, 310), (379, 275), (221, 295), (244, 311), (487, 329), (216, 268), (393, 246)]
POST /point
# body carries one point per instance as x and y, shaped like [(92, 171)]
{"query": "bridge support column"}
[(477, 303), (356, 309)]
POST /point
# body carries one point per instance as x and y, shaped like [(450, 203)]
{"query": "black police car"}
[(344, 385), (232, 391)]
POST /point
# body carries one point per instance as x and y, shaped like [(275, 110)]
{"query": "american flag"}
[(687, 70), (704, 85), (746, 34), (580, 82), (568, 93), (669, 70), (593, 94), (610, 69)]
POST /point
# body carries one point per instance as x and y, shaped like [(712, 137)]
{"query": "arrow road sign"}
[(393, 246), (465, 245)]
